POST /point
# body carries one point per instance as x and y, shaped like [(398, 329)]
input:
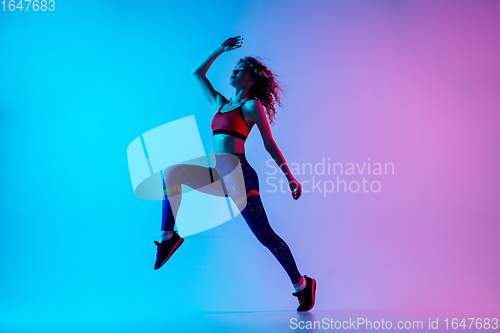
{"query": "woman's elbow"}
[(195, 71)]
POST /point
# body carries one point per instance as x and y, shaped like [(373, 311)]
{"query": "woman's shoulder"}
[(251, 103), (252, 100)]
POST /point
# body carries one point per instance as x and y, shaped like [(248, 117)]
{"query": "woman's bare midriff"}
[(225, 143)]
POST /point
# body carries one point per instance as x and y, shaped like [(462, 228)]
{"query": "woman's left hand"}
[(296, 188), (232, 43)]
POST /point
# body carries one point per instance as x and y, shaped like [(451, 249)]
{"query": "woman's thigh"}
[(200, 178), (241, 184)]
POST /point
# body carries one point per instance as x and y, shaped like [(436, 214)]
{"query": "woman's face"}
[(241, 76)]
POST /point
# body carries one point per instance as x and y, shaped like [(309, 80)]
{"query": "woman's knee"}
[(171, 170), (168, 173), (175, 174)]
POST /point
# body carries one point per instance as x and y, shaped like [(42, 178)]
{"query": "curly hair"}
[(266, 86)]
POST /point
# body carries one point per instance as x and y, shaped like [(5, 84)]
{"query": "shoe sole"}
[(176, 246), (313, 295)]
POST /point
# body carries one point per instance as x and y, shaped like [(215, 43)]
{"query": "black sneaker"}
[(166, 248), (307, 295)]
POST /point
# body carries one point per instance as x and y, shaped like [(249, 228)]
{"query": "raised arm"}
[(200, 71), (258, 115)]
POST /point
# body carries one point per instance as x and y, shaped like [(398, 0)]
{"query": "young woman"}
[(255, 87)]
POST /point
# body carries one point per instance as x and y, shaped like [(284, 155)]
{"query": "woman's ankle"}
[(166, 235), (299, 286)]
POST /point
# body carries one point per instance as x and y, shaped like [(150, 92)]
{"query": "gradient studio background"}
[(411, 83)]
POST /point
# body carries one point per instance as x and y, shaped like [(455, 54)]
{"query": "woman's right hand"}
[(295, 187), (232, 43)]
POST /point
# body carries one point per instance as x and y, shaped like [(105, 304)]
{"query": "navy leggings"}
[(253, 212)]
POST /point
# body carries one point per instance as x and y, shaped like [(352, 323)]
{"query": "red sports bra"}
[(231, 123)]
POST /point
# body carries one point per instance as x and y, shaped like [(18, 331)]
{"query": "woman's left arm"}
[(258, 115)]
